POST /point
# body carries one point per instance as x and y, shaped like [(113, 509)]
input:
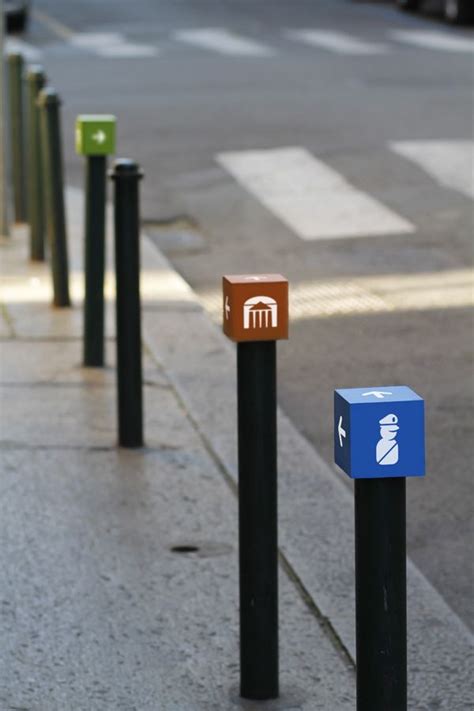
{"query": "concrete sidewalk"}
[(97, 610)]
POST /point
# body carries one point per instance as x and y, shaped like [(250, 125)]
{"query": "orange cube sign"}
[(255, 307)]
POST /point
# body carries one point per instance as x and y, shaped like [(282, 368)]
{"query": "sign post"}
[(256, 316), (379, 442), (95, 138)]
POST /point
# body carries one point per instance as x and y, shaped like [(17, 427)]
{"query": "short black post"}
[(95, 194), (258, 537), (16, 120), (381, 616), (126, 176), (51, 154), (35, 81), (95, 139)]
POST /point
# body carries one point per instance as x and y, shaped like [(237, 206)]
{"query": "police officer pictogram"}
[(387, 446)]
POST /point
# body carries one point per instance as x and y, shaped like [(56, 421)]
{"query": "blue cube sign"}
[(379, 432)]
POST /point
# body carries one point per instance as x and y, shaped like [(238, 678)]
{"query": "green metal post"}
[(49, 103), (15, 83), (35, 80)]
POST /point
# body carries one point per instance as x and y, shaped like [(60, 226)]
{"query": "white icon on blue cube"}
[(387, 446), (379, 432)]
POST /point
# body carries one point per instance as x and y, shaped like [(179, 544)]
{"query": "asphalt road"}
[(363, 117)]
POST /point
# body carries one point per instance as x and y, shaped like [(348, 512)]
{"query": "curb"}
[(316, 508)]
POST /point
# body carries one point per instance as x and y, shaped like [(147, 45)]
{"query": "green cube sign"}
[(95, 135)]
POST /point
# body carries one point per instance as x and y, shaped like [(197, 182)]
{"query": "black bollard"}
[(379, 441), (258, 531), (35, 81), (94, 261), (51, 156), (17, 137), (126, 176), (95, 138), (381, 607), (256, 316)]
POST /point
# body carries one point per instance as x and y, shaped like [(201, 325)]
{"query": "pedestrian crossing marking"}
[(431, 39), (223, 41), (129, 50), (451, 163), (339, 42), (312, 199), (112, 45), (95, 40), (12, 44)]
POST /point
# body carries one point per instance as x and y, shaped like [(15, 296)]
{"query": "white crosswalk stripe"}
[(451, 163), (312, 199), (112, 45), (216, 39), (338, 42), (430, 39), (225, 42), (12, 44)]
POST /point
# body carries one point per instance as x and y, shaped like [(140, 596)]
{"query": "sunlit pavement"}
[(366, 97)]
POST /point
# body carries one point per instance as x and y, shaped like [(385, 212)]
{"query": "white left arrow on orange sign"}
[(227, 307)]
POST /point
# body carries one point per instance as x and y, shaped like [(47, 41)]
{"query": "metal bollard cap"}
[(126, 168), (35, 72), (48, 97), (15, 57)]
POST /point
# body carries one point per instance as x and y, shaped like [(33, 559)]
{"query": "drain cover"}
[(176, 236)]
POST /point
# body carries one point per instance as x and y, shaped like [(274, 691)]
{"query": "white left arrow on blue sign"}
[(341, 431)]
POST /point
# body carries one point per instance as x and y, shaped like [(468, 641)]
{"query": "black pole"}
[(35, 81), (17, 137), (258, 536), (95, 191), (381, 626), (126, 175), (52, 160)]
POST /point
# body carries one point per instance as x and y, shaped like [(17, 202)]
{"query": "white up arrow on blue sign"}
[(379, 432)]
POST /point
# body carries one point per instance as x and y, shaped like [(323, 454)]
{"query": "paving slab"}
[(43, 362), (97, 611)]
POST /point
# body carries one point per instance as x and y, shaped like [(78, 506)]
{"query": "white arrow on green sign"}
[(95, 134)]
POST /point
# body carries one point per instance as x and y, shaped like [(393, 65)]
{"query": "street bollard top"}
[(255, 307), (15, 57), (379, 432), (95, 134), (35, 72), (48, 97), (124, 168)]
